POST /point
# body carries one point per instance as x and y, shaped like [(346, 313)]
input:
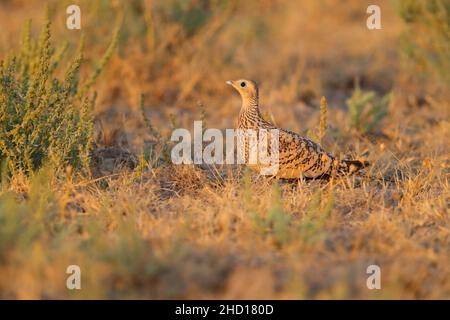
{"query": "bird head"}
[(248, 89)]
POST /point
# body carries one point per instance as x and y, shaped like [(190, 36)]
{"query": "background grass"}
[(166, 231)]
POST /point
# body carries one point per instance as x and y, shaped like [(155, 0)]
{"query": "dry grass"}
[(166, 231)]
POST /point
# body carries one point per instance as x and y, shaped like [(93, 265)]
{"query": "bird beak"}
[(230, 82)]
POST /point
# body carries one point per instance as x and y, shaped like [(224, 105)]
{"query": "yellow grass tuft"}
[(197, 231), (323, 118)]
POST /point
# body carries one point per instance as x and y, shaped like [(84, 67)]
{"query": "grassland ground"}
[(195, 231)]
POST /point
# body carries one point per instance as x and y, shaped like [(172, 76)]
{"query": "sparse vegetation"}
[(194, 231), (366, 109), (44, 119), (320, 131), (426, 43)]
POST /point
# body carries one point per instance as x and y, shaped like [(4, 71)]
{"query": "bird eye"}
[(242, 84)]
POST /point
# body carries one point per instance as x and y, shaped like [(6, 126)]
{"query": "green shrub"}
[(43, 118), (192, 15), (366, 109), (426, 42), (311, 228), (23, 223)]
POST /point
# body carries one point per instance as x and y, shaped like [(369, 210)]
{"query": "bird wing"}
[(300, 156)]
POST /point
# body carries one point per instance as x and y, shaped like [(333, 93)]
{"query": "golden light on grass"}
[(197, 231)]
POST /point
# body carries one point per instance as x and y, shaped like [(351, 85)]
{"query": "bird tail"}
[(348, 167)]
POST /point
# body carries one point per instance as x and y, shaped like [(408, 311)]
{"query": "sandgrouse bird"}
[(298, 156)]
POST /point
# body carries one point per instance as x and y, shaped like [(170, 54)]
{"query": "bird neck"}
[(250, 105), (250, 116)]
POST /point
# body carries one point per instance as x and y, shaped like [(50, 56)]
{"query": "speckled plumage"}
[(298, 156)]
